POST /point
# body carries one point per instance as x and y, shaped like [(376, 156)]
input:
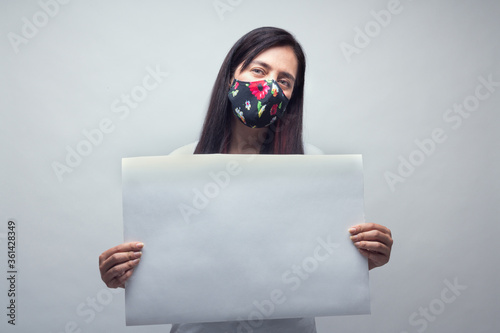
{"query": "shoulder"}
[(310, 149), (185, 150)]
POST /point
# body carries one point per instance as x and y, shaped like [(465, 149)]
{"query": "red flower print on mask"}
[(274, 109), (236, 85), (259, 89)]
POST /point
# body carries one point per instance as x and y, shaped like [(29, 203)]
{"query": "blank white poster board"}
[(227, 236)]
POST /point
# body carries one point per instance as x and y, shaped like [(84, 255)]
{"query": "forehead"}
[(279, 58)]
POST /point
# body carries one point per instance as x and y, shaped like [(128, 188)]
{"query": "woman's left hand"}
[(374, 241)]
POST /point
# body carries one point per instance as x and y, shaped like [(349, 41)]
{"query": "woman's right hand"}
[(118, 263)]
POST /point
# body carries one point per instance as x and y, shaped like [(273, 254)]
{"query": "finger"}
[(117, 272), (114, 284), (124, 278), (369, 226), (117, 259), (125, 247), (377, 247), (374, 259), (120, 281), (373, 235)]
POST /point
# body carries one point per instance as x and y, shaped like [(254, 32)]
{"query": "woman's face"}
[(278, 63)]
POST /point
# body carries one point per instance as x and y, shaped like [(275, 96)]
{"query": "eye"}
[(284, 83), (257, 71)]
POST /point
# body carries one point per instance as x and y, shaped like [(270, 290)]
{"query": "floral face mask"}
[(257, 103)]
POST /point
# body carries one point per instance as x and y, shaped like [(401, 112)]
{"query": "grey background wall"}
[(414, 86)]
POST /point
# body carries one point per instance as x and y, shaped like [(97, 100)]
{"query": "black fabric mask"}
[(257, 103)]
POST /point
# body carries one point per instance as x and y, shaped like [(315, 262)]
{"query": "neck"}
[(246, 140)]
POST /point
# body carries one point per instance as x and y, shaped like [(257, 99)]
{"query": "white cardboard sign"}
[(228, 237)]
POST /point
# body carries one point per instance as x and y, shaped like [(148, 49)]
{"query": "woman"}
[(256, 107)]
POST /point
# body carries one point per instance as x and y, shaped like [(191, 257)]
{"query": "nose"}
[(272, 76)]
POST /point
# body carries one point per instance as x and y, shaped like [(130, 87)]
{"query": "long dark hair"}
[(285, 135)]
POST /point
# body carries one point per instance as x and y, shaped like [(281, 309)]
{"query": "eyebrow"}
[(266, 66)]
